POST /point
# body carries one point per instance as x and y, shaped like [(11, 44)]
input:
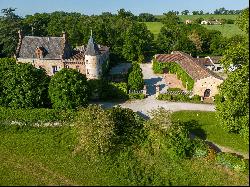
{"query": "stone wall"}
[(211, 83)]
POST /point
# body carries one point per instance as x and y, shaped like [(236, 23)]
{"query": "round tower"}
[(93, 60)]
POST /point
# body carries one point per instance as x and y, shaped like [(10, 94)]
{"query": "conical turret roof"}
[(92, 48)]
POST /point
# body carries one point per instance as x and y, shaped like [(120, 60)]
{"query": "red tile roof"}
[(188, 63)]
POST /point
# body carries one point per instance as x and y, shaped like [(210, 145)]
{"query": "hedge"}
[(32, 116), (136, 96), (179, 97), (232, 161), (174, 68)]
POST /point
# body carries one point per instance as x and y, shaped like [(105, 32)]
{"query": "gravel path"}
[(144, 106)]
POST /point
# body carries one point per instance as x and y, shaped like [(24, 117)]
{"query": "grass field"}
[(154, 27), (227, 30), (43, 156), (214, 132)]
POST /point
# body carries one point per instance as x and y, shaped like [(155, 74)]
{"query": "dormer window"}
[(40, 52)]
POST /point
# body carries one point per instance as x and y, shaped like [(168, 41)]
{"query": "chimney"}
[(64, 35), (20, 34)]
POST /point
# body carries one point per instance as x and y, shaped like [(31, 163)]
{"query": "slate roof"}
[(195, 70), (55, 47), (92, 48)]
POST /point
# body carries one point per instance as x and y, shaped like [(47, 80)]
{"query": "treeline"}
[(127, 38), (219, 11)]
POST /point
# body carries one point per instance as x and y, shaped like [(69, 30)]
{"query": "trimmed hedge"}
[(31, 116), (136, 96), (178, 97), (231, 161), (174, 68)]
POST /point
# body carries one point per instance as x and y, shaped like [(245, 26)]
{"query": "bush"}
[(107, 131), (23, 85), (178, 141), (136, 96), (196, 98), (32, 116), (200, 148), (135, 78), (231, 161), (117, 91), (68, 89)]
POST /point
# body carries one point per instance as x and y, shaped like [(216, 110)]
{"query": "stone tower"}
[(93, 61)]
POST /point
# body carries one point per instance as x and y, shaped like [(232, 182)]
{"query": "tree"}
[(146, 17), (25, 87), (135, 78), (232, 105), (195, 38), (185, 12), (68, 89), (137, 39), (170, 19), (9, 25), (243, 21)]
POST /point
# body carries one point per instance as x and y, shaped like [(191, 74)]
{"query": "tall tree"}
[(233, 102), (9, 25)]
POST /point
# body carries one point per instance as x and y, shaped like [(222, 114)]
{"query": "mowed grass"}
[(154, 28), (43, 156), (214, 132), (228, 30)]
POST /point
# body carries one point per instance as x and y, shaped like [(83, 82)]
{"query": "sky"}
[(90, 7)]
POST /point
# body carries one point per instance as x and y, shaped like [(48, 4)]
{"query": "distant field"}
[(192, 17), (227, 30), (154, 27)]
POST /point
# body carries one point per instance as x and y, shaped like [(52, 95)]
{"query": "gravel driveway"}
[(144, 106)]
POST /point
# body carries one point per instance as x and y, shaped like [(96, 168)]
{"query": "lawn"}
[(43, 156), (214, 132), (154, 27)]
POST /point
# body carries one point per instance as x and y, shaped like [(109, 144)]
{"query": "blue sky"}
[(90, 7)]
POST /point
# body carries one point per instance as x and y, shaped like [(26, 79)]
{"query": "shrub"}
[(178, 141), (200, 148), (231, 161), (211, 154), (196, 98), (135, 78), (107, 131), (117, 91), (68, 89), (174, 89), (32, 116), (24, 86), (136, 96)]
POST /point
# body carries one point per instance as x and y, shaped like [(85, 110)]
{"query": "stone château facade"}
[(55, 53)]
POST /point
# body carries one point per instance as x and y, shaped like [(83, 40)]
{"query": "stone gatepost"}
[(144, 91), (202, 98), (157, 87)]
